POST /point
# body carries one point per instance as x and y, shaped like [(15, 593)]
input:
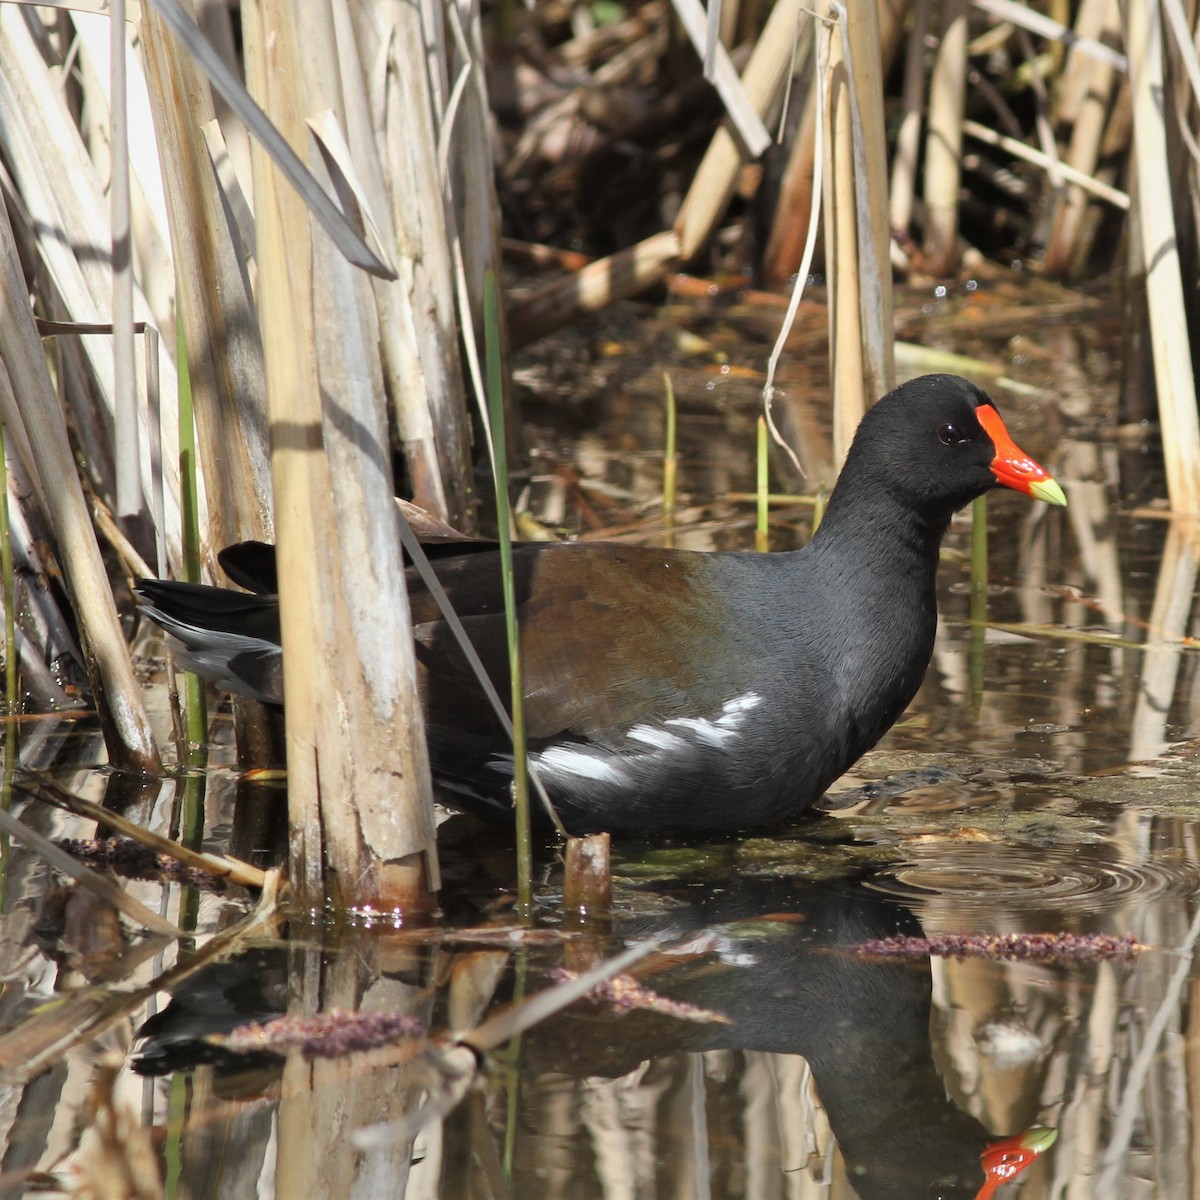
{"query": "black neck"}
[(868, 524)]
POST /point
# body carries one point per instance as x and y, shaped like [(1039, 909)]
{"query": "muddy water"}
[(1044, 781)]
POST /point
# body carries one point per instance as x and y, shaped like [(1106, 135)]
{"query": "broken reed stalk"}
[(587, 877), (742, 115), (943, 140), (762, 532), (360, 796), (1170, 345), (670, 467), (1051, 165), (495, 399)]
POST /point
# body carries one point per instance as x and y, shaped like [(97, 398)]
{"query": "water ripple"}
[(989, 876)]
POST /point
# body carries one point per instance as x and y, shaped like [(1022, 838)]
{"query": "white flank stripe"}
[(581, 763), (660, 739)]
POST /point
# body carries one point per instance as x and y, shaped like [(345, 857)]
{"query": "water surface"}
[(1044, 781)]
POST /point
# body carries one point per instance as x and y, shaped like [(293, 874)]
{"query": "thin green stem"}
[(670, 467), (173, 1145), (509, 1059), (979, 600), (762, 533), (194, 703), (495, 400)]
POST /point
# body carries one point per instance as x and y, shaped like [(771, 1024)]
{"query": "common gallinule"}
[(675, 691)]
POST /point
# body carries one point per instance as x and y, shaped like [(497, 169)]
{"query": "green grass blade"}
[(670, 467), (762, 533), (979, 600), (195, 706), (495, 403)]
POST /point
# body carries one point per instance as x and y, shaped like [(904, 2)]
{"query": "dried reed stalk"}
[(716, 178), (633, 270), (864, 61), (743, 112), (1051, 164), (1170, 347), (417, 317), (37, 413), (154, 271), (786, 240), (597, 285), (359, 790), (130, 501), (467, 154), (908, 137), (59, 184), (852, 382), (943, 141), (793, 207), (215, 307), (1092, 80)]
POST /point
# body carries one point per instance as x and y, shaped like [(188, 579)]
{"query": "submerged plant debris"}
[(331, 1034), (1013, 947), (127, 858), (623, 993)]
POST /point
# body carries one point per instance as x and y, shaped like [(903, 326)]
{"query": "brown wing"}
[(610, 635)]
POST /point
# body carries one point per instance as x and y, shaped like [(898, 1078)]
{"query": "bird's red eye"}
[(951, 435)]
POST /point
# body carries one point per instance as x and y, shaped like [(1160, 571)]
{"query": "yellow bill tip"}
[(1048, 490)]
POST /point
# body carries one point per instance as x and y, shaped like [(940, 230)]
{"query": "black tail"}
[(229, 637)]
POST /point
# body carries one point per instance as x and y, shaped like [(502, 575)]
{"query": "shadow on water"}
[(1044, 780)]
